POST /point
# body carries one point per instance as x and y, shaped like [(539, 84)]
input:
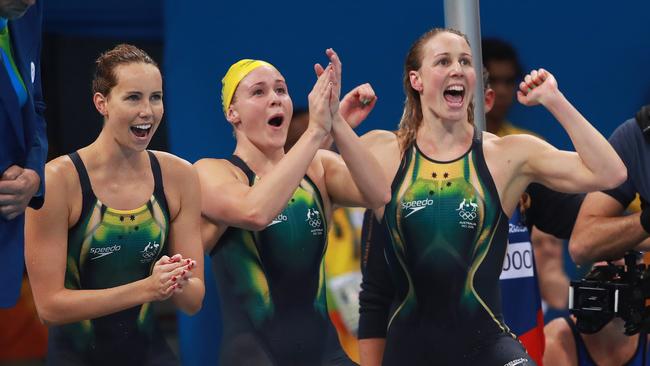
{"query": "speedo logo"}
[(102, 252), (415, 206), (280, 218)]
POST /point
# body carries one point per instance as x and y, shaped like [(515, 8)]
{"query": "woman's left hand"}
[(537, 88), (183, 277)]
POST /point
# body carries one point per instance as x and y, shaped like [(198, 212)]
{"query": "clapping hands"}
[(170, 275)]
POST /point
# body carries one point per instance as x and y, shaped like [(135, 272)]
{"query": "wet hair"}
[(412, 114), (495, 49), (123, 54)]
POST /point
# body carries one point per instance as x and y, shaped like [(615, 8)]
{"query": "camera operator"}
[(602, 231), (567, 346)]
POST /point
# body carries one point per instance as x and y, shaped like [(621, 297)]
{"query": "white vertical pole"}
[(463, 15)]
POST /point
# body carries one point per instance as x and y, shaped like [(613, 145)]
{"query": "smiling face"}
[(262, 108), (133, 108), (446, 78)]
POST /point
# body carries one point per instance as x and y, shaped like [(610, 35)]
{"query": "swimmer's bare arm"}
[(360, 180), (182, 185), (46, 244), (602, 231), (595, 166), (210, 233), (354, 177)]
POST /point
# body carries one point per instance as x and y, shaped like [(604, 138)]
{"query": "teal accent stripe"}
[(10, 66)]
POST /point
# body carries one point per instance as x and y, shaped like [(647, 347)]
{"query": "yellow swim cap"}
[(235, 74)]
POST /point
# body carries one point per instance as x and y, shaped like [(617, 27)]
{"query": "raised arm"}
[(360, 181), (355, 177), (595, 166), (46, 242), (228, 200), (185, 232)]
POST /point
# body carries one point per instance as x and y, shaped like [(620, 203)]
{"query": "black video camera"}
[(610, 291)]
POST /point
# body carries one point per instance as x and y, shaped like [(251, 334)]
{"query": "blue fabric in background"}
[(128, 19)]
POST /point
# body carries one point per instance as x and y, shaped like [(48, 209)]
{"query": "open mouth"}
[(276, 121), (141, 131), (454, 94)]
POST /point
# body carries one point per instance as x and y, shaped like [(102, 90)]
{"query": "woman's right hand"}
[(320, 115), (357, 104), (169, 275), (538, 87)]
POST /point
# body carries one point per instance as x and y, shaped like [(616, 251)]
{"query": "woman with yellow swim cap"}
[(269, 211)]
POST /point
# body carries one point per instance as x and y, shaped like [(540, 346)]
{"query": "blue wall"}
[(598, 53), (132, 19), (201, 43)]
